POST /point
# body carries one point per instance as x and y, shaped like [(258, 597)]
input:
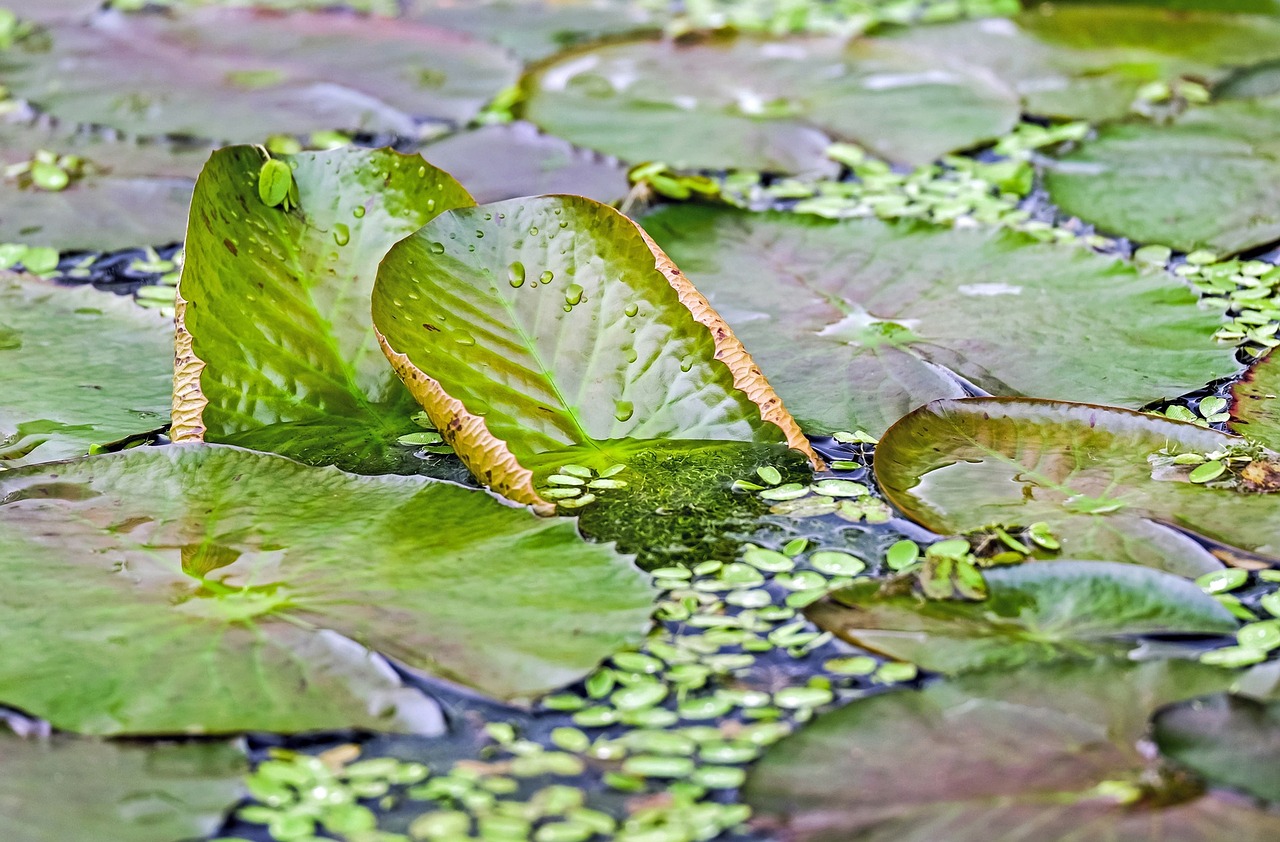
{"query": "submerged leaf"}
[(1051, 753), (1204, 182), (1038, 611), (1099, 476), (1230, 740), (242, 74), (56, 789), (276, 350), (78, 367), (535, 325), (726, 102), (860, 321), (200, 588)]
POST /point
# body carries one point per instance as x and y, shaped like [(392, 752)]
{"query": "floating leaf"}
[(1089, 61), (242, 74), (535, 325), (200, 588), (276, 349), (1038, 611), (860, 321), (80, 367), (1202, 182), (1092, 473), (59, 788), (128, 195), (1230, 740), (534, 29), (1051, 753), (1255, 402), (766, 104)]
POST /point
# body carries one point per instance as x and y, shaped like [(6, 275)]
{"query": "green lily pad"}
[(129, 194), (1051, 753), (202, 588), (281, 355), (1088, 61), (1255, 402), (1039, 611), (60, 788), (1199, 183), (534, 29), (80, 367), (766, 104), (242, 74), (535, 325), (1091, 472), (1230, 740), (860, 321), (515, 159)]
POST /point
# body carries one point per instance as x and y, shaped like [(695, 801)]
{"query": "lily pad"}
[(1203, 182), (129, 194), (535, 325), (1051, 753), (1255, 402), (1039, 611), (276, 348), (1092, 473), (534, 29), (60, 788), (766, 104), (203, 588), (80, 367), (242, 74), (1088, 61), (1231, 741), (515, 159), (860, 321)]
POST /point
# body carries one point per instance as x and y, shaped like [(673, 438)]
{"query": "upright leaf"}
[(1053, 753), (1038, 611), (276, 351), (861, 321), (1101, 477), (77, 367), (208, 589), (1255, 402), (535, 325)]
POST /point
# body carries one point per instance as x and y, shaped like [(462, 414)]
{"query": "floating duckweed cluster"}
[(832, 17), (1259, 638)]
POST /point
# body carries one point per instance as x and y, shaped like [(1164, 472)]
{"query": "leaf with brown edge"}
[(538, 325), (1255, 402)]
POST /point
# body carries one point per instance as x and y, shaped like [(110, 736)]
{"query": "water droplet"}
[(568, 308), (422, 171), (471, 248), (631, 310), (564, 223), (573, 294), (463, 338), (358, 212), (623, 410), (341, 234), (547, 277), (479, 233), (488, 216), (631, 355), (437, 248), (533, 231), (515, 274), (431, 204), (686, 364), (533, 285), (556, 211)]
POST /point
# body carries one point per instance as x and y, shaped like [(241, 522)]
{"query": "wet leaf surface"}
[(60, 788), (277, 307), (858, 322), (1087, 470), (514, 160), (539, 324), (240, 74), (1203, 182), (201, 588), (79, 367), (756, 103), (1035, 612), (129, 194), (1051, 753), (1232, 741)]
